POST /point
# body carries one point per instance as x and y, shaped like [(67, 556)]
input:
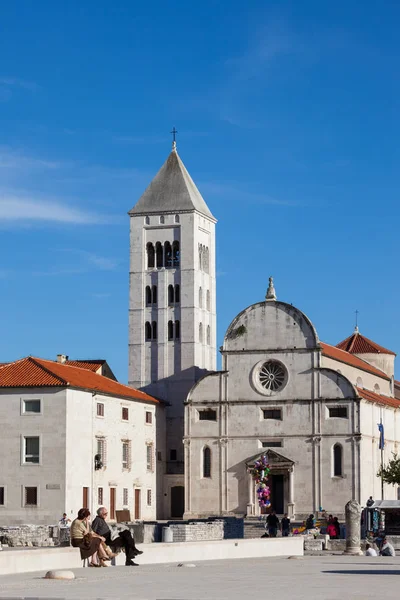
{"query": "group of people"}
[(333, 528), (96, 542), (273, 525), (385, 548)]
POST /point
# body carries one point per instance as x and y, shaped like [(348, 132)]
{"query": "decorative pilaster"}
[(290, 504)]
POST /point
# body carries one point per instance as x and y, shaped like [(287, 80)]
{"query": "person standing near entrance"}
[(272, 524), (285, 524)]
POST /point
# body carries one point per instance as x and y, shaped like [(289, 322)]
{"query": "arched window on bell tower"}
[(147, 331), (154, 294), (154, 329), (168, 255), (176, 256), (170, 330), (177, 293), (170, 295), (150, 256), (201, 333), (159, 255), (148, 295)]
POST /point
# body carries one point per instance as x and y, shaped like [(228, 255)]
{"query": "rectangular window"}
[(125, 413), (100, 496), (159, 456), (272, 444), (149, 457), (125, 497), (126, 455), (340, 412), (148, 497), (208, 415), (100, 409), (102, 450), (2, 496), (30, 496), (31, 450), (149, 417), (272, 413), (31, 407), (172, 455)]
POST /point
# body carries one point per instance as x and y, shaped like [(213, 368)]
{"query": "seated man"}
[(386, 548), (124, 540)]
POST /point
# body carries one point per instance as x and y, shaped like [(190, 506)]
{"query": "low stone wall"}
[(199, 531), (30, 535)]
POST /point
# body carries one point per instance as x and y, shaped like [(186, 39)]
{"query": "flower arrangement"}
[(260, 474)]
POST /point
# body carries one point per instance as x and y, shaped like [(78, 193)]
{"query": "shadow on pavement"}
[(364, 572)]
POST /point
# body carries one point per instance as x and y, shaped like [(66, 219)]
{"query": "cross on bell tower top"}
[(174, 132)]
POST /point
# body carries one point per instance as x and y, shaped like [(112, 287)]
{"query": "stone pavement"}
[(322, 577)]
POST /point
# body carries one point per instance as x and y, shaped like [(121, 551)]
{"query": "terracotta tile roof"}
[(373, 397), (37, 372), (349, 359), (359, 344), (90, 365)]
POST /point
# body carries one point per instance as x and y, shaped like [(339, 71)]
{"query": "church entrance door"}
[(177, 501), (277, 494)]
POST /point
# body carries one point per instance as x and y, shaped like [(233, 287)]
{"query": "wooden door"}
[(137, 504), (85, 497), (112, 503)]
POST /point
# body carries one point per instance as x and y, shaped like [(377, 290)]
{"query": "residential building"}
[(73, 438)]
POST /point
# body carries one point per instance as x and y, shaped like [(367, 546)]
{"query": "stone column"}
[(290, 504), (353, 523), (250, 503)]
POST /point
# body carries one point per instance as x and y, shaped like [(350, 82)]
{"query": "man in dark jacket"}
[(273, 524), (124, 540)]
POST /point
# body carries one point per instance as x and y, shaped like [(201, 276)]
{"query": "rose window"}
[(272, 375)]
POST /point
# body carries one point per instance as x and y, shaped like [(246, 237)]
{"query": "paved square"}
[(322, 577)]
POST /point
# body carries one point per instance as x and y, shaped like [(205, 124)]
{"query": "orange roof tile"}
[(345, 357), (37, 372), (378, 398), (90, 365), (359, 344)]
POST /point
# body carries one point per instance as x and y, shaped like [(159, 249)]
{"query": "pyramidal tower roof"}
[(359, 344), (172, 190)]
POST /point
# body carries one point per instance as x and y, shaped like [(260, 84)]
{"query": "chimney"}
[(62, 358)]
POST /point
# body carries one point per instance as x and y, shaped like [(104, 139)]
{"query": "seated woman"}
[(90, 543)]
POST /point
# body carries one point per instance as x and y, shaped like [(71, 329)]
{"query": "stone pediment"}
[(275, 460)]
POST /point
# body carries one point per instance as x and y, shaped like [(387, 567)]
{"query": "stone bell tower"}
[(172, 303)]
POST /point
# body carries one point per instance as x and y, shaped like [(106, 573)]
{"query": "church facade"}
[(311, 407)]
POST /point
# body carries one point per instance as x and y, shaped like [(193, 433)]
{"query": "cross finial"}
[(271, 294), (356, 330), (174, 132)]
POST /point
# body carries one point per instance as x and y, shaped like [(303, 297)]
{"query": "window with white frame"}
[(148, 497), (100, 409), (125, 413), (101, 444), (31, 407), (149, 457), (149, 417), (30, 496), (126, 455), (125, 497), (31, 449)]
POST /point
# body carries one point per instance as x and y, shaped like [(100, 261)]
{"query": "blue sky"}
[(288, 122)]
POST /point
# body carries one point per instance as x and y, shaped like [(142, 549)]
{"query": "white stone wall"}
[(67, 426), (359, 377), (49, 425)]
